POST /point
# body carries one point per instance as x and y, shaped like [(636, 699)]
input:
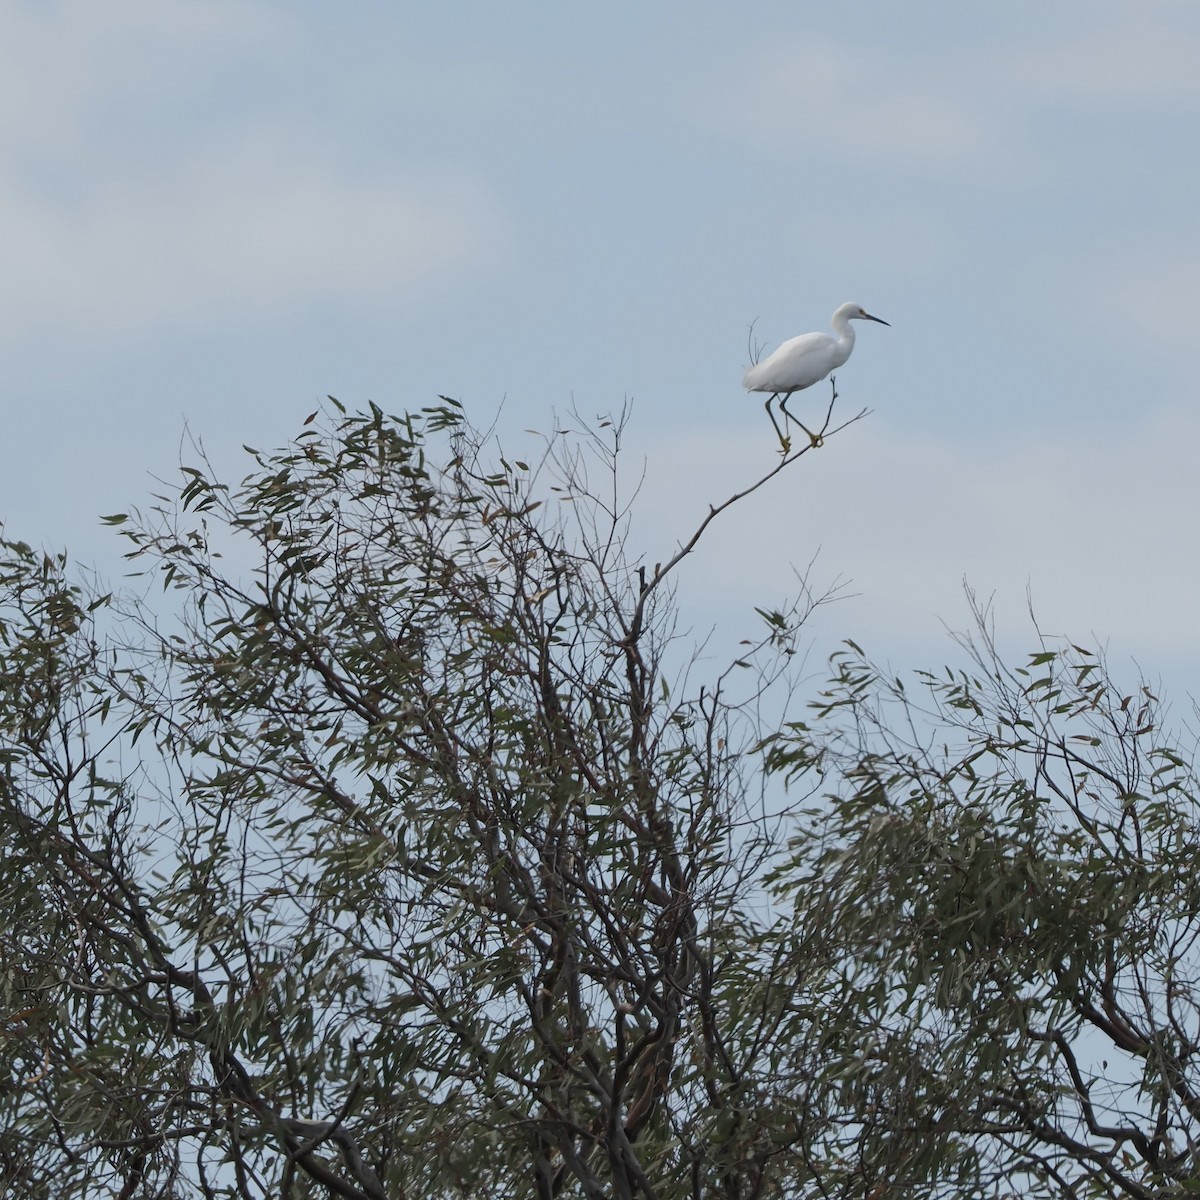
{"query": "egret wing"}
[(798, 363)]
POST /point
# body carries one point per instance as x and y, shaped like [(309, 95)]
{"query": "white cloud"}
[(136, 188), (65, 64), (970, 108), (249, 227), (794, 98), (1148, 297), (1115, 63), (1097, 524)]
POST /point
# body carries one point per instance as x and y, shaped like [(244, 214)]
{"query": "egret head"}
[(856, 312)]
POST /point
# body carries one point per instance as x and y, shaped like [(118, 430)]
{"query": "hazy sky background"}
[(219, 212)]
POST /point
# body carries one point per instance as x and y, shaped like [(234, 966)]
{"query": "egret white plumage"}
[(802, 361)]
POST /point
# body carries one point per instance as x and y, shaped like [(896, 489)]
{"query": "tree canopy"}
[(385, 841)]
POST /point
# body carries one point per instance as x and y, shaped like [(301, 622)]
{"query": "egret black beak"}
[(881, 321)]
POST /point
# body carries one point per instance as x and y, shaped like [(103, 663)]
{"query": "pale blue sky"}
[(220, 212)]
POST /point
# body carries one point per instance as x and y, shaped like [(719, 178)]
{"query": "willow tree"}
[(1010, 853), (384, 847), (386, 842)]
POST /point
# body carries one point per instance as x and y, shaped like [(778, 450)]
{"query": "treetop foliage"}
[(384, 844)]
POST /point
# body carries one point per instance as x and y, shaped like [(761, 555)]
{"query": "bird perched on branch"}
[(802, 361)]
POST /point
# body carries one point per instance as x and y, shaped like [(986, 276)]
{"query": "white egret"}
[(802, 361)]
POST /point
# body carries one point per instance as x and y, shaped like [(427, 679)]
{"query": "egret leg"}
[(784, 441), (815, 438)]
